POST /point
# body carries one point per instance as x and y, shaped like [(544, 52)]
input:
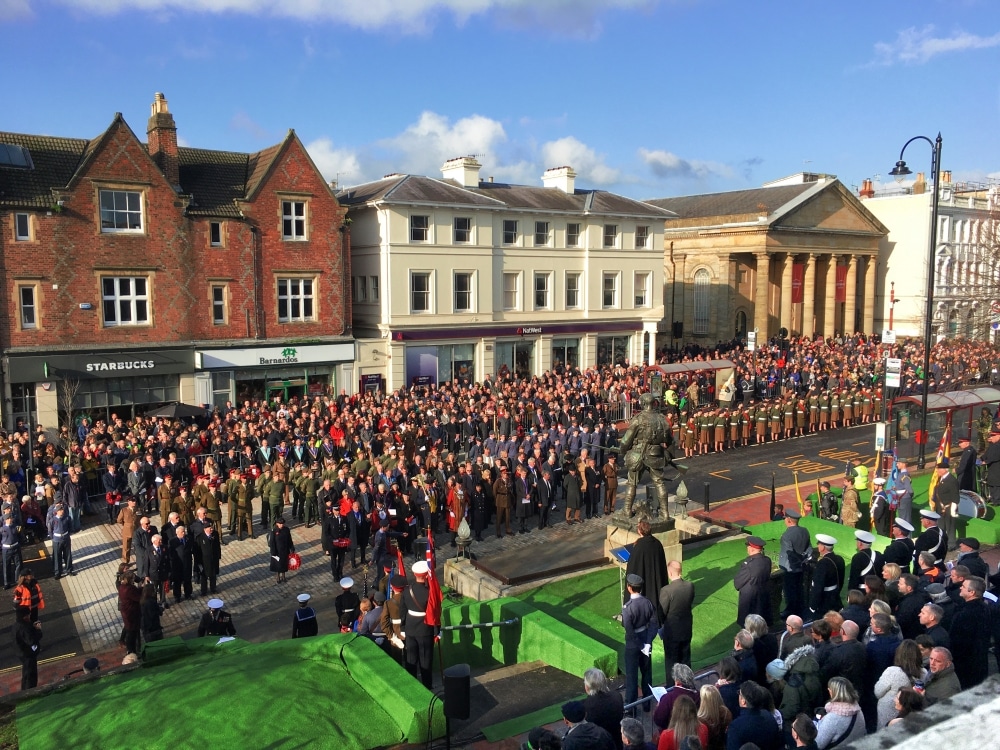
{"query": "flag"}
[(798, 495), (432, 615), (399, 561), (944, 451), (771, 515)]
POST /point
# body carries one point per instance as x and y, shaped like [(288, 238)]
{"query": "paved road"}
[(262, 609)]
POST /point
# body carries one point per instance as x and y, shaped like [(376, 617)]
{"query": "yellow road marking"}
[(863, 442), (758, 487), (797, 455), (719, 474), (759, 463)]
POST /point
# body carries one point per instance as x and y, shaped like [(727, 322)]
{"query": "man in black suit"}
[(676, 602), (142, 540), (966, 471), (181, 553), (991, 457), (544, 496), (157, 568)]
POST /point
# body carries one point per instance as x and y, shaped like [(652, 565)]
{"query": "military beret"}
[(398, 581), (755, 541), (792, 513)]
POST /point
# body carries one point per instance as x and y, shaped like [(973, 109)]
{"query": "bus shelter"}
[(963, 406)]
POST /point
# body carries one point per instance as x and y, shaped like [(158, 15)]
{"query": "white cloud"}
[(340, 164), (917, 46), (667, 164), (587, 163), (409, 16), (13, 10), (432, 140), (242, 121)]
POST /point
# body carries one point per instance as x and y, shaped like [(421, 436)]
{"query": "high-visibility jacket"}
[(860, 477), (29, 595)]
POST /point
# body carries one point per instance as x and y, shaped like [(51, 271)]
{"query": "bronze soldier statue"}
[(646, 445)]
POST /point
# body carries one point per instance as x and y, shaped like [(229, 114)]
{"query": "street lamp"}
[(900, 171)]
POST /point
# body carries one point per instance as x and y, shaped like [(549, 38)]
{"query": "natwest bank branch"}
[(100, 383)]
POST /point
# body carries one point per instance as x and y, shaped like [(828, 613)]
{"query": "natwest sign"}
[(528, 330)]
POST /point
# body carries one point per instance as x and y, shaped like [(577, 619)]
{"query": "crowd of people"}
[(379, 471)]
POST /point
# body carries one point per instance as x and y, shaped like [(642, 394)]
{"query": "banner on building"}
[(841, 284), (798, 282)]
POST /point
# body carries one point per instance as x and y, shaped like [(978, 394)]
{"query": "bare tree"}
[(68, 390)]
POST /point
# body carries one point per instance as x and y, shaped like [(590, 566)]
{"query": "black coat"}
[(753, 583), (971, 631), (908, 614), (649, 562), (211, 553), (157, 566), (281, 547), (676, 603), (181, 558)]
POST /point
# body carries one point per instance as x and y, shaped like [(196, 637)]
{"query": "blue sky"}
[(649, 98)]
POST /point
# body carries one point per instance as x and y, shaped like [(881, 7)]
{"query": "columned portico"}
[(850, 304), (869, 293), (829, 301), (786, 293), (809, 297), (763, 275)]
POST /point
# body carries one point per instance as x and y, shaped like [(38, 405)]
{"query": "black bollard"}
[(707, 485)]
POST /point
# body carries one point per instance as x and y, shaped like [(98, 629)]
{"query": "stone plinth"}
[(622, 531), (463, 577)]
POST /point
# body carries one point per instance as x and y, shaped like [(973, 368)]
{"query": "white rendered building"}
[(462, 278)]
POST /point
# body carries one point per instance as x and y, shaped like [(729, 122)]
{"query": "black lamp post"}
[(900, 171)]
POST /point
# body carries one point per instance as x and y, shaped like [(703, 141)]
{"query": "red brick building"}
[(147, 272)]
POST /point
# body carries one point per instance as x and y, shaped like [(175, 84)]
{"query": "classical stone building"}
[(799, 253)]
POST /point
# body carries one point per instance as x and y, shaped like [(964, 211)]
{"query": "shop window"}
[(612, 350)]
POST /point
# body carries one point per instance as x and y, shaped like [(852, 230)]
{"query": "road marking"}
[(759, 463), (863, 442), (797, 455), (719, 474), (764, 489), (807, 466), (56, 658)]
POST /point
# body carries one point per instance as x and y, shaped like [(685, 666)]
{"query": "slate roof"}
[(216, 180), (734, 203), (416, 189), (55, 160)]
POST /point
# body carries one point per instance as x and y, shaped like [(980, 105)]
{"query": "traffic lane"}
[(59, 636), (741, 471)]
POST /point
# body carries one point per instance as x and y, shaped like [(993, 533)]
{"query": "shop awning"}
[(956, 399)]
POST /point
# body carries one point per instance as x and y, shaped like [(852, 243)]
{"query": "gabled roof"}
[(55, 161), (216, 180), (767, 200), (420, 190)]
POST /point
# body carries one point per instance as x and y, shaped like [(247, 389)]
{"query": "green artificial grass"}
[(527, 722), (330, 691)]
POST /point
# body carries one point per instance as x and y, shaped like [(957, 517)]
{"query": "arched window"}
[(702, 284), (741, 325), (970, 324), (953, 323)]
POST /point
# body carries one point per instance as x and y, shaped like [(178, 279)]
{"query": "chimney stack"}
[(563, 178), (920, 184), (161, 133), (867, 189), (464, 170), (946, 177)]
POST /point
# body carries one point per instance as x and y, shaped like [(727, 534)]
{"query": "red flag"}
[(399, 562), (432, 614)]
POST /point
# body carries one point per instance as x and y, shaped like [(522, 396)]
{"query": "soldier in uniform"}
[(304, 622), (880, 512), (900, 550), (866, 561), (231, 484), (216, 622), (932, 539), (762, 413), (610, 472), (639, 619), (418, 636), (165, 495), (244, 508), (751, 582), (795, 549), (828, 503), (392, 617), (310, 486), (646, 444), (827, 578)]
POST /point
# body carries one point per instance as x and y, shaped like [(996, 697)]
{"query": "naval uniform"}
[(864, 563), (639, 619), (304, 623), (827, 580), (933, 540), (900, 551)]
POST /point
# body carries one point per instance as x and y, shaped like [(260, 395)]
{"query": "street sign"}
[(888, 337), (751, 341), (995, 307), (880, 432), (893, 370)]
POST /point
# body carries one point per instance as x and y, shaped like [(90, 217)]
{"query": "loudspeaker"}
[(457, 683), (678, 329)]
